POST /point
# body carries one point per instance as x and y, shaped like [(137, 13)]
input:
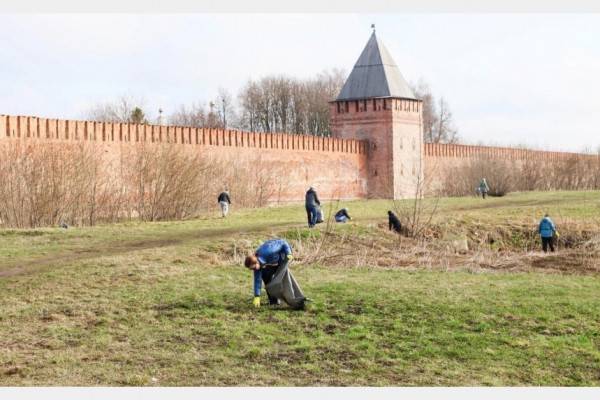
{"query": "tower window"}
[(356, 105), (346, 107), (374, 105), (364, 105), (384, 104), (338, 107)]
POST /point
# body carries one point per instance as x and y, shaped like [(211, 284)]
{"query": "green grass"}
[(164, 304)]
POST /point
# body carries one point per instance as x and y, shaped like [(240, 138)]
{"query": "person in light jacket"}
[(483, 188), (547, 231)]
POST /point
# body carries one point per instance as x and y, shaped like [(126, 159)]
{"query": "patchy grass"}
[(168, 303)]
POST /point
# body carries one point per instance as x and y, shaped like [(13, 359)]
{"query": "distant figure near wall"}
[(224, 202), (312, 205), (483, 188)]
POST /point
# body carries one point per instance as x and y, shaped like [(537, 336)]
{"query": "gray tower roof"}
[(375, 74)]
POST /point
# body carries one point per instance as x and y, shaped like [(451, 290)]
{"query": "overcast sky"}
[(510, 79)]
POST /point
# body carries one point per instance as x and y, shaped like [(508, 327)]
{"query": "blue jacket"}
[(546, 228), (270, 252)]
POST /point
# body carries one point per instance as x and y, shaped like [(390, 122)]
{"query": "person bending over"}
[(394, 222), (264, 263), (342, 216)]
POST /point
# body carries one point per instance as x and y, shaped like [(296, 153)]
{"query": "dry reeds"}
[(44, 184)]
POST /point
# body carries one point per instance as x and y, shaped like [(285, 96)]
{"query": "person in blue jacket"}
[(268, 257), (342, 216), (547, 230)]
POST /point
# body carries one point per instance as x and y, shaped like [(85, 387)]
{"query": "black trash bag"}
[(283, 285)]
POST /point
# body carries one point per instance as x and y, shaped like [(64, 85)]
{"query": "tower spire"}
[(375, 75)]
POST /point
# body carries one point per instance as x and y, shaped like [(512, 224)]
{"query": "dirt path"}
[(122, 247)]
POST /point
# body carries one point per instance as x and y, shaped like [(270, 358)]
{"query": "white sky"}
[(510, 79)]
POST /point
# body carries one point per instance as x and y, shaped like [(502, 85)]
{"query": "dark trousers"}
[(312, 214), (267, 274), (308, 215), (547, 241)]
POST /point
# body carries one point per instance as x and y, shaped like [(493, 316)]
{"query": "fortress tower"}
[(376, 104)]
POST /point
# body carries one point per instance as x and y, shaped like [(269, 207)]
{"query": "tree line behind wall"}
[(278, 103)]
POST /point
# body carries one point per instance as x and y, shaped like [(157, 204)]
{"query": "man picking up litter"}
[(270, 265)]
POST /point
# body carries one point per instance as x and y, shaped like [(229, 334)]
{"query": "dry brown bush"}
[(503, 176), (44, 184)]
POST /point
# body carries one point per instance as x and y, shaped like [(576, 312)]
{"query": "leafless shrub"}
[(44, 184), (416, 213), (503, 176), (80, 184)]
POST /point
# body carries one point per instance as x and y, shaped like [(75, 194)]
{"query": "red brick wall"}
[(336, 167), (393, 129), (372, 154), (438, 158), (460, 151)]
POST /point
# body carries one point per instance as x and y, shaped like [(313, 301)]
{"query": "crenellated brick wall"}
[(336, 167), (32, 128), (439, 150), (339, 167)]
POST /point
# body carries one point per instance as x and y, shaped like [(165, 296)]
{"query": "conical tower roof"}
[(375, 74)]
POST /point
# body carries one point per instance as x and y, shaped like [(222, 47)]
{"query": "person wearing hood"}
[(342, 216), (547, 231), (312, 205), (394, 222)]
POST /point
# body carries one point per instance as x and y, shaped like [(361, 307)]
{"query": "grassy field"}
[(169, 304)]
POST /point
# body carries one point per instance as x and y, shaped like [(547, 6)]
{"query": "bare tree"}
[(225, 106), (279, 103), (417, 212), (445, 132), (122, 110), (194, 116), (438, 122)]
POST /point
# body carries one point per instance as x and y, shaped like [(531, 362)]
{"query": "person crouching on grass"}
[(269, 265), (342, 216)]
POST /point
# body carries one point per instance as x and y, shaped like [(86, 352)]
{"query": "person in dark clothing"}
[(224, 202), (342, 216), (312, 205), (394, 222), (264, 263)]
